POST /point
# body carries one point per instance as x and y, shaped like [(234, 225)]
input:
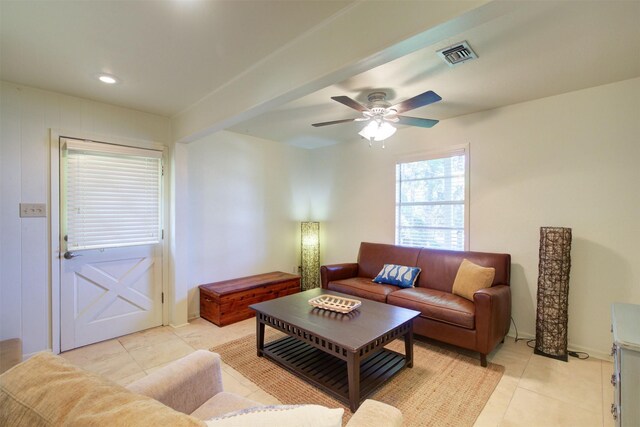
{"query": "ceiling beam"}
[(360, 37)]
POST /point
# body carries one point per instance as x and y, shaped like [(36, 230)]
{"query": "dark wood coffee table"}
[(343, 354)]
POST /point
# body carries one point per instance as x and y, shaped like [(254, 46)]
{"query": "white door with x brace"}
[(111, 262), (110, 293)]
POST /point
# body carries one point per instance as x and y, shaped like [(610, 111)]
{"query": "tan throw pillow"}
[(472, 277)]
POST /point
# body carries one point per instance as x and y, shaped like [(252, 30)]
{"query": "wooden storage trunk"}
[(228, 301)]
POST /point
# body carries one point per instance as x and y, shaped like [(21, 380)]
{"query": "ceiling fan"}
[(380, 114)]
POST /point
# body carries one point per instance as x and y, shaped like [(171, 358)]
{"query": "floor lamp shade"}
[(310, 255), (553, 292)]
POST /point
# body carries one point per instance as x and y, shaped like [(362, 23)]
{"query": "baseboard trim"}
[(596, 354), (178, 326)]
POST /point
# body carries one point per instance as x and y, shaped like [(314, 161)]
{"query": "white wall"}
[(26, 115), (247, 197), (569, 160)]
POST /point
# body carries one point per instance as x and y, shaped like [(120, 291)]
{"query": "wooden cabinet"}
[(625, 325), (228, 302)]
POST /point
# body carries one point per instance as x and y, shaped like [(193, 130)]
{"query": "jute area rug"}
[(444, 387)]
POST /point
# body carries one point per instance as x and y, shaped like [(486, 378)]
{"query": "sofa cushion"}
[(440, 267), (281, 416), (185, 384), (47, 390), (436, 305), (373, 256), (362, 287), (472, 277), (398, 275)]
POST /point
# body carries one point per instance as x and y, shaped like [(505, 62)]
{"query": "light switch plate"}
[(31, 210)]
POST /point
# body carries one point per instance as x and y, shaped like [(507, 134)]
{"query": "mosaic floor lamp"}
[(310, 255), (553, 292)]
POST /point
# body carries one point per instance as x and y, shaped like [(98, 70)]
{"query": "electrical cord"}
[(580, 355), (516, 328)]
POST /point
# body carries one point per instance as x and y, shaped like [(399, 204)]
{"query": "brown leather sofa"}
[(477, 325)]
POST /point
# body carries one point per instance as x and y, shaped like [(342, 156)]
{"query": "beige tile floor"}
[(534, 390)]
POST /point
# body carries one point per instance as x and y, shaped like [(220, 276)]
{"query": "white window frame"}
[(438, 154)]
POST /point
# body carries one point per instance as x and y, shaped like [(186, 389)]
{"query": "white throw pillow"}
[(281, 416)]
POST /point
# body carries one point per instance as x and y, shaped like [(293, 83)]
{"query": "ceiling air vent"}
[(456, 54)]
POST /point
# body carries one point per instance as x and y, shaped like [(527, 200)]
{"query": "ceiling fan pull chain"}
[(370, 142)]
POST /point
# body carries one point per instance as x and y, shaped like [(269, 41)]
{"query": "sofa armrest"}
[(374, 413), (184, 384), (329, 273), (493, 316)]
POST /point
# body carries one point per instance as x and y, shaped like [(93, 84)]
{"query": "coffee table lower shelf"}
[(329, 372)]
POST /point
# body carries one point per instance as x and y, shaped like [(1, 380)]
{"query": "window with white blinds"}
[(112, 195), (431, 202)]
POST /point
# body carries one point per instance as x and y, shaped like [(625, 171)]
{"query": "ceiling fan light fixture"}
[(377, 131), (381, 114), (108, 79)]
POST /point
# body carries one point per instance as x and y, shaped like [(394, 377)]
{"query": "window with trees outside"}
[(432, 201)]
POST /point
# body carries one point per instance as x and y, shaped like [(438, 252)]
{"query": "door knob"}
[(70, 255)]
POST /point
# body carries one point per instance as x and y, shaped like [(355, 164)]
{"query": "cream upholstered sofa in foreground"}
[(47, 390)]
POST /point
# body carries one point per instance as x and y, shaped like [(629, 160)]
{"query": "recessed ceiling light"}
[(106, 78)]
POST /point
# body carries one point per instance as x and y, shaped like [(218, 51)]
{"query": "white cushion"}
[(223, 403), (281, 416)]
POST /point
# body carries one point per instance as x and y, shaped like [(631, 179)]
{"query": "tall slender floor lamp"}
[(310, 255), (553, 292)]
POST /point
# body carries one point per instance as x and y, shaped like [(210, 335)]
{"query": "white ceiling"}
[(169, 54), (539, 50)]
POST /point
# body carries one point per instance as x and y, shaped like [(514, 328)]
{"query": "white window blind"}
[(431, 202), (113, 195)]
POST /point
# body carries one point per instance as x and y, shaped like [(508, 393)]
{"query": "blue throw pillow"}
[(398, 275)]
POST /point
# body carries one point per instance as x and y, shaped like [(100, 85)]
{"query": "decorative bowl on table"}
[(335, 303)]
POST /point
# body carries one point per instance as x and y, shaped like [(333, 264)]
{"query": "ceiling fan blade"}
[(429, 97), (335, 122), (415, 121), (351, 103)]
